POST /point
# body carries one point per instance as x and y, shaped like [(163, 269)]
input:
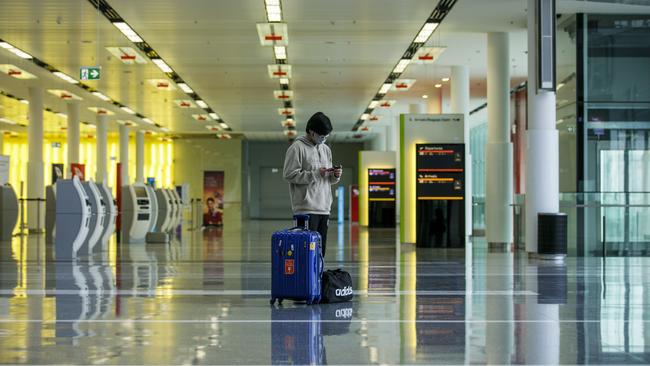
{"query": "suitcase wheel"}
[(272, 301)]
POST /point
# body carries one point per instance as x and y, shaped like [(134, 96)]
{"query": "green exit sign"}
[(90, 73)]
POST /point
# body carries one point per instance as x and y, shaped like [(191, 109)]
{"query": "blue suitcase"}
[(296, 264), (296, 336)]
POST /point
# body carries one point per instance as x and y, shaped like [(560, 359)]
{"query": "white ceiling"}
[(340, 50)]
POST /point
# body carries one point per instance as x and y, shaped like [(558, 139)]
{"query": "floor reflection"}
[(203, 299)]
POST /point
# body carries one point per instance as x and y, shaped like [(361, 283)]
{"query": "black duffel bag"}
[(336, 286)]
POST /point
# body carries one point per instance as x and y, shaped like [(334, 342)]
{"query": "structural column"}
[(35, 166), (542, 160), (124, 155), (73, 136), (102, 148), (498, 157), (460, 104), (139, 156)]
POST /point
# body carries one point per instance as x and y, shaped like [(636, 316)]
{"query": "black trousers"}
[(320, 223)]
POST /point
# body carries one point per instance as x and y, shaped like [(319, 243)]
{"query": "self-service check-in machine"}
[(97, 217), (155, 234), (50, 213), (73, 212), (8, 212), (111, 215), (173, 222), (179, 207), (136, 213), (164, 211)]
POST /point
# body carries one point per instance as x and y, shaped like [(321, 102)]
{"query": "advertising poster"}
[(78, 170), (57, 172), (213, 198)]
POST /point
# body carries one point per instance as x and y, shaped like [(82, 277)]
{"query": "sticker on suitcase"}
[(289, 267), (312, 246)]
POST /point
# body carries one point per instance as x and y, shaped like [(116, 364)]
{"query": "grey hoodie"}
[(310, 193)]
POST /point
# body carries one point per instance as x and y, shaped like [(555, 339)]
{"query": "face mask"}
[(319, 139)]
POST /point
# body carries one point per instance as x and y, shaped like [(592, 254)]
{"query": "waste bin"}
[(552, 235)]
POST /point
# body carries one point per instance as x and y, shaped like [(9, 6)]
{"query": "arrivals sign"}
[(90, 72)]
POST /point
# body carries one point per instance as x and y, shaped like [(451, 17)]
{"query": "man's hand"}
[(323, 172), (337, 172)]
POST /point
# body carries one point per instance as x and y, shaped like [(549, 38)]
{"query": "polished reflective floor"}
[(203, 299)]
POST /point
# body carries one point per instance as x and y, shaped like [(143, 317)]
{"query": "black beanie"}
[(319, 123)]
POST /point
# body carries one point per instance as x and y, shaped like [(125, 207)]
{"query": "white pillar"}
[(460, 104), (73, 135), (35, 166), (102, 148), (542, 160), (498, 153), (124, 154), (139, 156), (541, 338)]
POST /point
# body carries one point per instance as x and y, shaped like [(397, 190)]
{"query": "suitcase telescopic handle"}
[(302, 221)]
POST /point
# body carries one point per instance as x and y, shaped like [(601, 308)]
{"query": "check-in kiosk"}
[(136, 213), (381, 197), (8, 212), (97, 217), (73, 211), (178, 208), (434, 194), (159, 215), (164, 211), (111, 215), (50, 213)]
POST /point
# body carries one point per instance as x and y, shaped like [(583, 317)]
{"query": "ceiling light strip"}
[(56, 72), (116, 19), (428, 28)]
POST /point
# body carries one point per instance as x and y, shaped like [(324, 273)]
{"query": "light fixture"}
[(214, 116), (425, 96), (16, 51), (62, 115), (425, 32), (438, 85), (7, 121), (223, 125), (364, 116), (284, 81), (147, 120), (428, 55), (445, 79), (101, 96), (23, 101), (559, 86), (201, 104), (384, 88), (127, 110), (65, 77), (273, 10), (280, 52), (401, 65), (164, 129), (373, 104), (186, 88), (162, 65), (128, 31)]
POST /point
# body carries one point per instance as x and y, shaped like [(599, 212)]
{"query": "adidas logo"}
[(344, 313), (345, 291)]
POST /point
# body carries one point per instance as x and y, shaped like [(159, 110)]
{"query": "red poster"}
[(213, 198), (354, 203), (78, 170)]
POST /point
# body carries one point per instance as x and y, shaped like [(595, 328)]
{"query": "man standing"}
[(308, 169)]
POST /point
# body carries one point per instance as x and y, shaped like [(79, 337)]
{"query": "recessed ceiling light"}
[(364, 116), (280, 52), (128, 31), (201, 104), (101, 96), (438, 85), (401, 65), (7, 121), (186, 88), (18, 52), (65, 77), (162, 65), (425, 96), (223, 125), (213, 116), (373, 104), (384, 88), (147, 120), (425, 32), (127, 110), (284, 81), (445, 79)]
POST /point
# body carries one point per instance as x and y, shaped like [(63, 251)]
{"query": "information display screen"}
[(381, 185), (140, 192), (440, 172)]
